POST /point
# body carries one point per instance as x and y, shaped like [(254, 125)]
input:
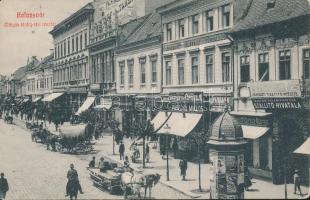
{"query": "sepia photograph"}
[(154, 99)]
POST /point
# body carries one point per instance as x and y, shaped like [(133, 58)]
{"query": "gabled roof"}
[(259, 15), (127, 29), (150, 27), (19, 73)]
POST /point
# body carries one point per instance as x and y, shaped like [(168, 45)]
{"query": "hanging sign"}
[(272, 103)]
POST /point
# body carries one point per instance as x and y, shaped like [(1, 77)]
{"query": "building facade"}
[(271, 69), (71, 57)]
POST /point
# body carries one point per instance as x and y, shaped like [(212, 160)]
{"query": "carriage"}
[(73, 138), (109, 179)]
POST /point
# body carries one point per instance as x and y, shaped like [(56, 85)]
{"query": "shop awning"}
[(180, 124), (37, 99), (247, 113), (304, 148), (160, 119), (25, 100), (87, 103), (52, 96), (253, 132)]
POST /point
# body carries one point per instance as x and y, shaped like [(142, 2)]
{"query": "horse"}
[(73, 188), (132, 182)]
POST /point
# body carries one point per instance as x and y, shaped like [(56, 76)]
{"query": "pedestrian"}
[(147, 153), (175, 147), (121, 151), (101, 164), (297, 182), (4, 186), (92, 162), (126, 162), (183, 168), (73, 178), (247, 178)]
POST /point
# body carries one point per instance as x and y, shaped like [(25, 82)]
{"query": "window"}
[(130, 72), (68, 47), (226, 16), (122, 72), (142, 71), (306, 63), (181, 28), (85, 39), (245, 68), (209, 68), (154, 71), (65, 50), (210, 22), (72, 44), (81, 42), (168, 73), (77, 43), (194, 70), (195, 24), (169, 31), (181, 71), (263, 67), (285, 65), (61, 50), (226, 67)]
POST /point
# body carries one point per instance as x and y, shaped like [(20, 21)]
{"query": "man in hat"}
[(4, 186), (121, 151), (92, 162), (297, 182), (72, 176), (101, 164)]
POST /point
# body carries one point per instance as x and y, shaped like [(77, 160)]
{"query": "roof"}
[(85, 9), (47, 60), (258, 15), (174, 5), (127, 29), (19, 73), (150, 27)]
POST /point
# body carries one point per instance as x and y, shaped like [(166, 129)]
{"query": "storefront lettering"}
[(277, 103)]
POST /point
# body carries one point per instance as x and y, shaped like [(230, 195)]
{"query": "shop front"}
[(279, 127)]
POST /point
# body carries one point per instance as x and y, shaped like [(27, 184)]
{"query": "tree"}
[(200, 139), (143, 129)]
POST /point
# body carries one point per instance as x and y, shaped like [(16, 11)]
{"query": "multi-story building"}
[(47, 66), (197, 62), (71, 58), (138, 68), (16, 81), (31, 77), (271, 69)]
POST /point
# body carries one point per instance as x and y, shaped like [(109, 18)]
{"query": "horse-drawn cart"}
[(109, 179)]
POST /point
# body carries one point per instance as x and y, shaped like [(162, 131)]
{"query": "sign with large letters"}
[(277, 103)]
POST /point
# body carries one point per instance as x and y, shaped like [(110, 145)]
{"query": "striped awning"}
[(304, 148)]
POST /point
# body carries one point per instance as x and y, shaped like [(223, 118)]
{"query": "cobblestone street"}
[(35, 173)]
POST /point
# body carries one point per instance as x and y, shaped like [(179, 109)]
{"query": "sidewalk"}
[(259, 190)]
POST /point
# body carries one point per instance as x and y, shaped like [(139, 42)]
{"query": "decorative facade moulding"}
[(180, 54), (285, 43), (130, 61), (246, 48), (209, 49), (194, 52), (195, 42), (153, 57), (304, 40), (168, 56)]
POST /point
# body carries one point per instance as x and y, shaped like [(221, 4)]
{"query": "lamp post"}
[(167, 127)]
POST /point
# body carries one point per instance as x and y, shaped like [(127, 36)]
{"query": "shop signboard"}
[(275, 89), (277, 103), (218, 103)]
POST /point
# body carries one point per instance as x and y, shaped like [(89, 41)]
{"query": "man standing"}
[(121, 151), (73, 178), (147, 153), (92, 162), (183, 168), (297, 182), (4, 186)]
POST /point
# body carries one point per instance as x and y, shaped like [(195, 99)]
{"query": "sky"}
[(18, 40)]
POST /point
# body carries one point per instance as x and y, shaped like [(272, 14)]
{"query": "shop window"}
[(168, 73), (154, 71), (209, 68), (122, 72), (285, 64), (226, 67), (194, 70), (169, 31), (195, 24), (306, 63), (181, 28), (142, 71), (210, 20), (245, 68), (263, 67), (181, 71), (130, 72), (226, 16)]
